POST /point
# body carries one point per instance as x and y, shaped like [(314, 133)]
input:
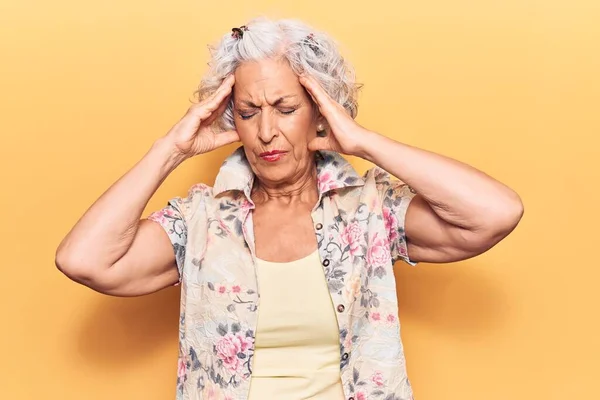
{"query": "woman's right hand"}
[(194, 134)]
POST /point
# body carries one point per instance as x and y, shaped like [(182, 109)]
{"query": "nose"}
[(268, 127)]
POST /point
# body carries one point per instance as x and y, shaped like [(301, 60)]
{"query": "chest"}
[(220, 291), (283, 234), (227, 237)]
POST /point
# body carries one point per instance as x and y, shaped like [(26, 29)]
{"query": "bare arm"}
[(459, 212), (110, 249)]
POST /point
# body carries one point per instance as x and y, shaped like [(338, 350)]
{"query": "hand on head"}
[(195, 134), (344, 134)]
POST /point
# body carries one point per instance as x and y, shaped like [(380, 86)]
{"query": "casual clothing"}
[(297, 348), (359, 227)]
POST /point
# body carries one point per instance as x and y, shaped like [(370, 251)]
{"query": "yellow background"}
[(509, 86)]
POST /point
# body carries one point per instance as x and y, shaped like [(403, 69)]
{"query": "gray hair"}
[(306, 49)]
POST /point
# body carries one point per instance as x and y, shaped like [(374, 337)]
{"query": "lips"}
[(273, 155)]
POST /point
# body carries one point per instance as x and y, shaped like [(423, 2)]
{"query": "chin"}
[(275, 173)]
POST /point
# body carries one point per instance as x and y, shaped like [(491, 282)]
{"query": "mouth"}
[(273, 155)]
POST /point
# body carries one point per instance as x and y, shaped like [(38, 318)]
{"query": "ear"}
[(321, 120), (321, 126)]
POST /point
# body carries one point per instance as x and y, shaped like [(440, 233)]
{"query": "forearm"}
[(459, 194), (107, 229)]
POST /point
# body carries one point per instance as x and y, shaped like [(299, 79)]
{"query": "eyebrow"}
[(275, 103)]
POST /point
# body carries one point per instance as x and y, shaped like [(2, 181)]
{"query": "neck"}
[(303, 189)]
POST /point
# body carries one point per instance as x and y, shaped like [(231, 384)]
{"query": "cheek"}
[(298, 129), (246, 130)]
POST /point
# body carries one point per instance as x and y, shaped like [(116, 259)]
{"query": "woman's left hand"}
[(344, 135)]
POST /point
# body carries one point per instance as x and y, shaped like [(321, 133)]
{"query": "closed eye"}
[(247, 116), (285, 112)]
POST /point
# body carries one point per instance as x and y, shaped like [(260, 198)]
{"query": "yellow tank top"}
[(297, 350)]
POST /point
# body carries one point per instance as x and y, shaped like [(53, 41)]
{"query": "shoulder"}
[(385, 183), (200, 191), (197, 194), (380, 178)]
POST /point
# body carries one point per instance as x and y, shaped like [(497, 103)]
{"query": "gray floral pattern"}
[(359, 227)]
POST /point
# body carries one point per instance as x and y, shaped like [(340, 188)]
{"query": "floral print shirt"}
[(359, 227)]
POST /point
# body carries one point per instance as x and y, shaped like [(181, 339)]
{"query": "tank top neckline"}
[(300, 260)]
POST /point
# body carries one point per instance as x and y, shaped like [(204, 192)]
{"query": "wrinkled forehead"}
[(267, 80)]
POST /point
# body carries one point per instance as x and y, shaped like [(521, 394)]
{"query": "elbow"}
[(98, 278), (502, 221), (71, 266), (510, 214), (76, 268)]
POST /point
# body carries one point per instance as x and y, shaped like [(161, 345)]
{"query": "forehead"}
[(266, 78)]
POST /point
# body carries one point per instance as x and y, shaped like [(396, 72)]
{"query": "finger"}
[(218, 112), (202, 111), (226, 137), (205, 109), (226, 86), (319, 143), (325, 103), (223, 92)]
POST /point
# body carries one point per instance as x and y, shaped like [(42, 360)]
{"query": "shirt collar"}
[(333, 172)]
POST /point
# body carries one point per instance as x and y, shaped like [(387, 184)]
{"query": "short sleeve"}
[(172, 218), (396, 198)]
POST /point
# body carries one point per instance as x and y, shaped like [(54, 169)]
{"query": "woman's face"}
[(275, 119)]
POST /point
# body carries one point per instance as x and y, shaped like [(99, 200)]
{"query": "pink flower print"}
[(198, 187), (351, 236), (347, 341), (391, 319), (223, 227), (182, 368), (236, 289), (212, 392), (353, 287), (228, 348), (222, 289), (246, 205), (158, 216), (391, 222), (360, 395), (378, 254), (402, 250), (377, 378), (326, 181), (375, 316)]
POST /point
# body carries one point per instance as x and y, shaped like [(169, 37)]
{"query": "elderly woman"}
[(285, 264)]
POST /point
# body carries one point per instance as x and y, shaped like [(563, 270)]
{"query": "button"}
[(341, 308), (319, 226), (326, 262), (345, 356)]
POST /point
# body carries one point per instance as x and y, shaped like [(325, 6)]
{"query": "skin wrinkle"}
[(270, 88)]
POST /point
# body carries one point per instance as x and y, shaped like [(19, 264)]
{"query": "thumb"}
[(319, 143), (226, 137)]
